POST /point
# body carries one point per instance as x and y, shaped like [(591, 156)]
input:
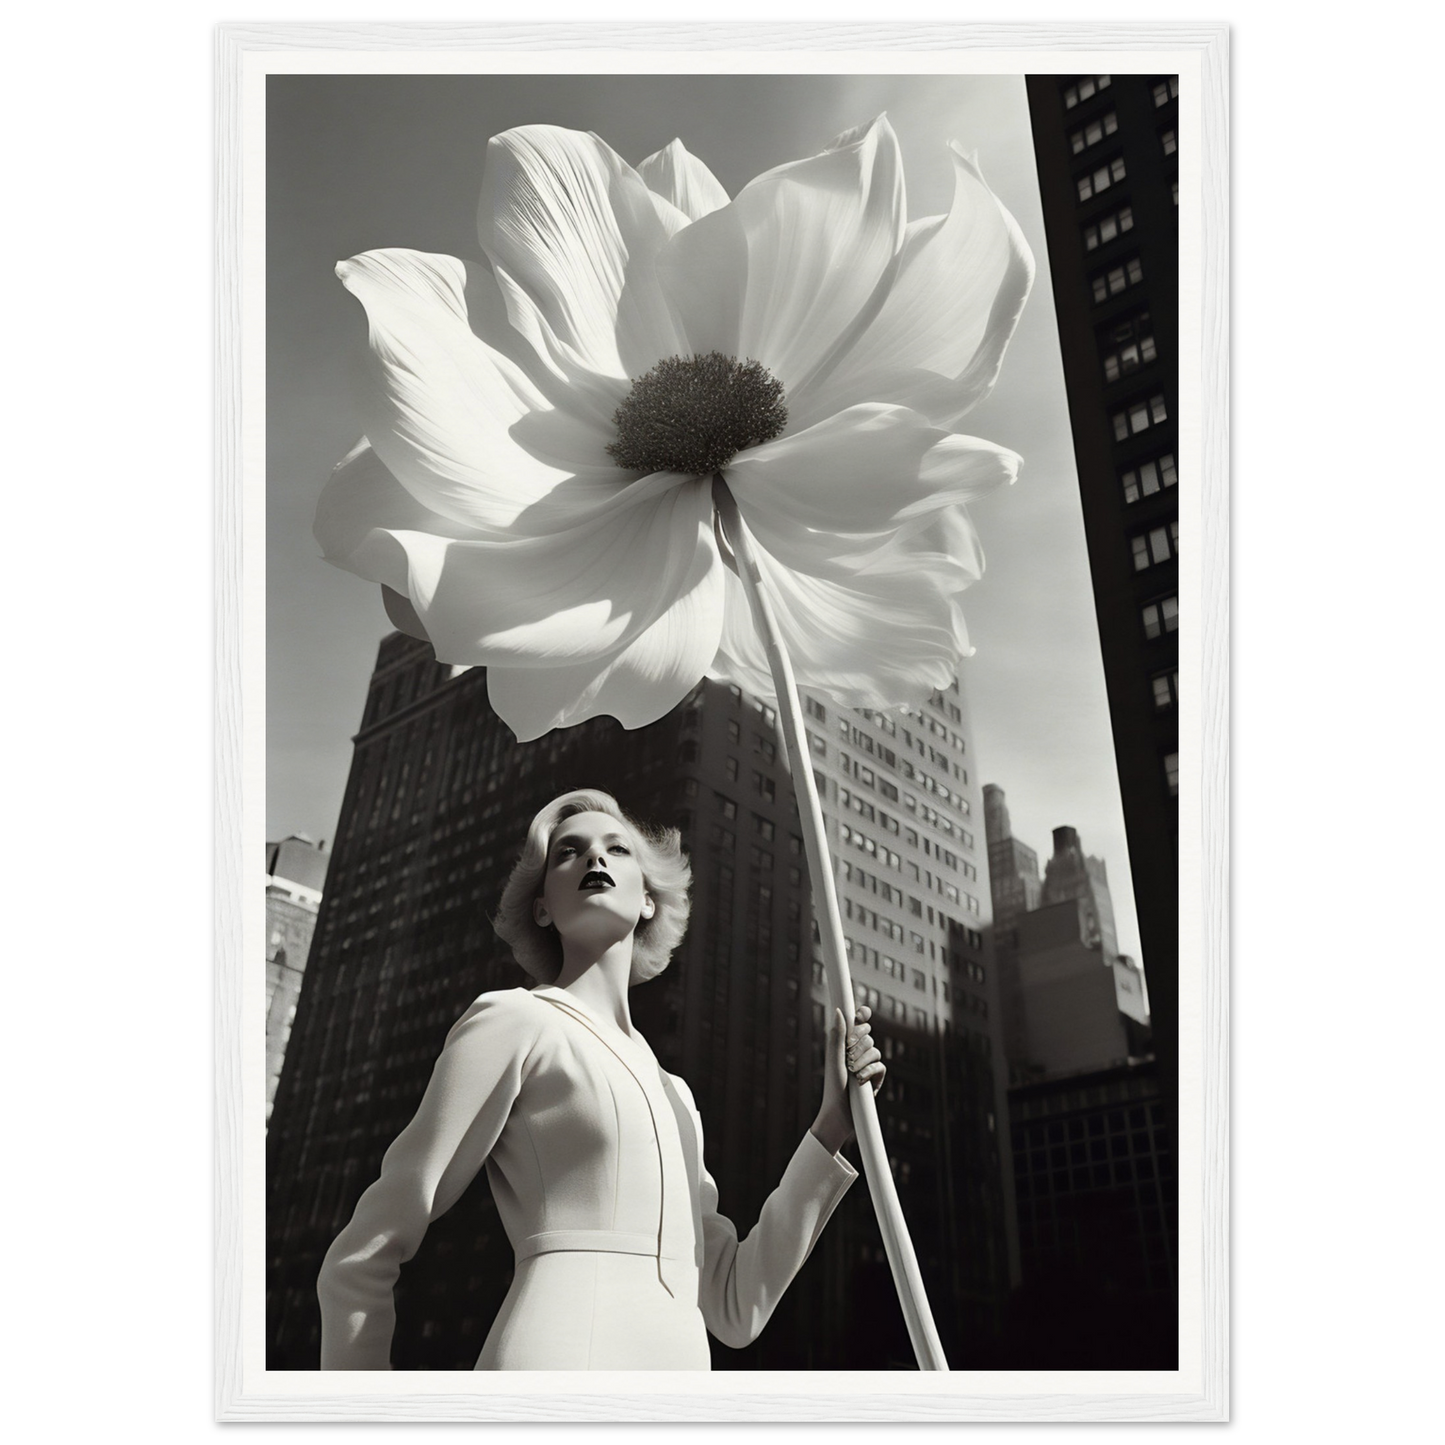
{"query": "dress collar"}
[(567, 999)]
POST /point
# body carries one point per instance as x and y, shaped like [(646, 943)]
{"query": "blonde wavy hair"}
[(665, 870)]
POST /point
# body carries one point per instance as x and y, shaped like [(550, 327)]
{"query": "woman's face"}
[(593, 889)]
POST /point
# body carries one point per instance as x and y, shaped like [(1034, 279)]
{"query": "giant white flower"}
[(534, 492)]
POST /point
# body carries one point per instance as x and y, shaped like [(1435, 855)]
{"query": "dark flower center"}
[(694, 414)]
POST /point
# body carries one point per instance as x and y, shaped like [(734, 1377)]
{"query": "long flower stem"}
[(901, 1257)]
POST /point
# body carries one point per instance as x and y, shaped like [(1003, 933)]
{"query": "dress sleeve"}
[(743, 1280), (473, 1086)]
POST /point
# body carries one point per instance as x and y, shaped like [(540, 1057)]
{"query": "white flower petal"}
[(865, 471), (461, 425), (938, 340), (574, 232), (878, 639), (362, 496), (677, 175), (402, 615), (783, 271), (577, 595), (639, 685)]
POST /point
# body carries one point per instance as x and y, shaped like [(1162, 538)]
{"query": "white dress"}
[(594, 1155)]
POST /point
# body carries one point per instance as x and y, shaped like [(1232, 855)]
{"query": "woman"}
[(593, 1151)]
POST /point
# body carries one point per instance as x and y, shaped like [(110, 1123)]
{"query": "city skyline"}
[(407, 176)]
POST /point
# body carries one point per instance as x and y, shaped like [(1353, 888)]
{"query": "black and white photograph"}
[(724, 616)]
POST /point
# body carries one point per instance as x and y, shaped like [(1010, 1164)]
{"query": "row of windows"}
[(1096, 1149), (1160, 617), (1117, 278), (948, 890), (1101, 232), (885, 926), (865, 774), (889, 1007), (890, 892), (1129, 357), (866, 809), (936, 819), (1139, 416), (1099, 180), (883, 962), (1159, 544), (1091, 134), (1165, 91), (1071, 1179), (729, 809), (1084, 89), (1149, 477), (859, 839), (932, 785)]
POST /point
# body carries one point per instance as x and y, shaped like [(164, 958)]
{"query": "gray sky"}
[(362, 162)]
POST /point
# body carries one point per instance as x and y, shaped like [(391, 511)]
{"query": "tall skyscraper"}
[(436, 807), (295, 876), (1015, 886), (1072, 874), (1106, 148)]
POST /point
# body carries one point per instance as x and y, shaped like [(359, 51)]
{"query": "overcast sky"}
[(361, 162)]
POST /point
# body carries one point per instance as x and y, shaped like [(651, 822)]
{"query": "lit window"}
[(1125, 345), (1160, 544), (1140, 416), (1149, 478), (1118, 278), (1166, 91), (1101, 179), (1166, 688), (1094, 132), (1085, 89), (1170, 144), (1161, 617), (1171, 772), (1107, 229)]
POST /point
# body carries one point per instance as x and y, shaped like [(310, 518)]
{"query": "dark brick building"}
[(1098, 1209), (1107, 153)]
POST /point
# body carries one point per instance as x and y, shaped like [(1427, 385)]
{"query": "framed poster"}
[(338, 137)]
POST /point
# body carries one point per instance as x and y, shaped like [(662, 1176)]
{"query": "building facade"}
[(436, 807), (1016, 889), (295, 878), (1098, 1208), (1071, 1017), (1107, 152), (1073, 875)]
